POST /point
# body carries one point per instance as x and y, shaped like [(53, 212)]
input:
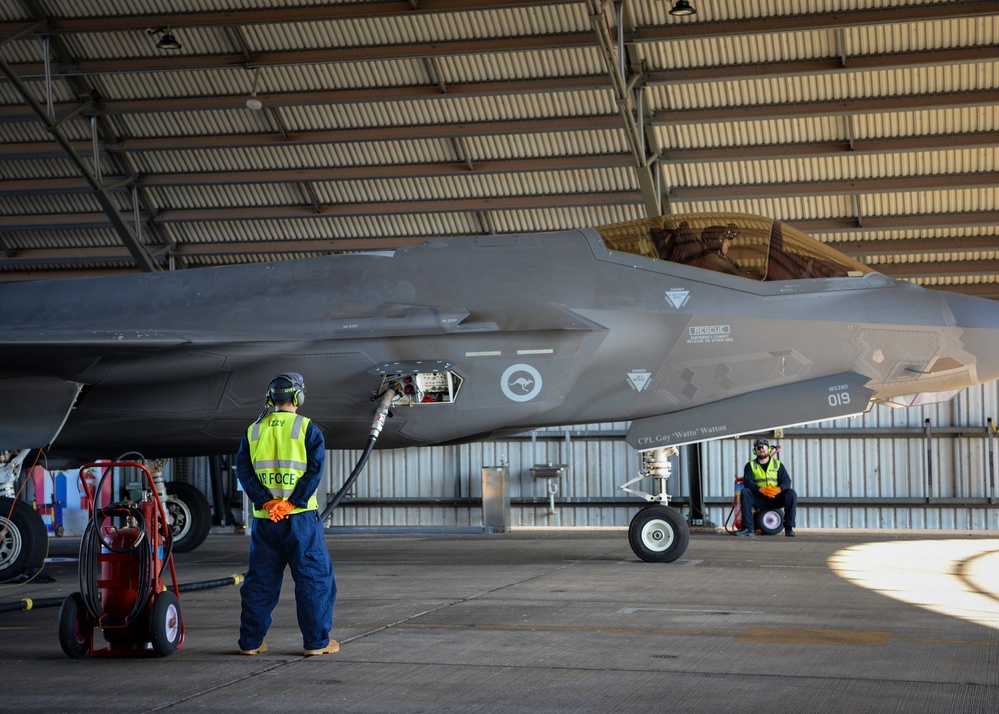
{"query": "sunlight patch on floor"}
[(959, 578)]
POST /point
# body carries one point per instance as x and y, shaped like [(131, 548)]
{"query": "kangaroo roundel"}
[(521, 382)]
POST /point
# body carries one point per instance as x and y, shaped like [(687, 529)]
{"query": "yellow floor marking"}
[(805, 636)]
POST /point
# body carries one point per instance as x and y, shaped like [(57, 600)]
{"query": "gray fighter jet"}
[(691, 327)]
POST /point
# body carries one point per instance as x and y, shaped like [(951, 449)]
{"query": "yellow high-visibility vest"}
[(279, 456), (768, 477)]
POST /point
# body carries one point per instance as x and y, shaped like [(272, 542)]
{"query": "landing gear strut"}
[(658, 533)]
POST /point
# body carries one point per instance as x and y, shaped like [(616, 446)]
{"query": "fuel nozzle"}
[(381, 413)]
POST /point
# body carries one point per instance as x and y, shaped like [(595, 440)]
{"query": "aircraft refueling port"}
[(420, 381)]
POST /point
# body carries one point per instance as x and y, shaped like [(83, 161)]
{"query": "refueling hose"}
[(381, 414)]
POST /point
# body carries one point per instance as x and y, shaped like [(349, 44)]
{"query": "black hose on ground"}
[(31, 604), (207, 584)]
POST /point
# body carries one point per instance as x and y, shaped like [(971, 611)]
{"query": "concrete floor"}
[(560, 621)]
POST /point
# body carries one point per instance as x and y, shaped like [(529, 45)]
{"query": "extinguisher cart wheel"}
[(165, 623), (76, 629), (770, 522)]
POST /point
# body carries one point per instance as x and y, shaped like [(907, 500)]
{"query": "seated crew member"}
[(716, 241), (766, 484)]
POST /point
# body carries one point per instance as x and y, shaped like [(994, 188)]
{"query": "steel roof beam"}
[(887, 184), (16, 113), (816, 227), (827, 149), (786, 23), (662, 117), (43, 186), (651, 77), (940, 269), (832, 107), (820, 21), (819, 66), (276, 15), (33, 151), (381, 208), (842, 187)]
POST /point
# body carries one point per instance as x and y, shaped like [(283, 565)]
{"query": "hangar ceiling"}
[(870, 124)]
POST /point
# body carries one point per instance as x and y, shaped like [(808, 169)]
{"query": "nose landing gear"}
[(657, 534)]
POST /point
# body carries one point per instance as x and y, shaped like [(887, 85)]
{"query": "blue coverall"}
[(297, 541)]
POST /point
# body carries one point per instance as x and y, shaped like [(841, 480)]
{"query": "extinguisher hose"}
[(90, 548)]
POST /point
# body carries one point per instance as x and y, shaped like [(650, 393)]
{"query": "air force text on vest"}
[(277, 478)]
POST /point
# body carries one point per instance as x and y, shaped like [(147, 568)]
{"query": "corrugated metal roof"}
[(874, 124)]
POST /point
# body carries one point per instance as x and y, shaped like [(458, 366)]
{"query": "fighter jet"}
[(691, 327)]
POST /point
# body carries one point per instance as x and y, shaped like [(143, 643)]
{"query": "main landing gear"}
[(24, 538), (658, 533)]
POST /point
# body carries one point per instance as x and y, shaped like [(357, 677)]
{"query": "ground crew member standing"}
[(279, 464), (766, 484)]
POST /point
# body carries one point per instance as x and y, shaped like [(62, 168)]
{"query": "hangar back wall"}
[(926, 467), (931, 467)]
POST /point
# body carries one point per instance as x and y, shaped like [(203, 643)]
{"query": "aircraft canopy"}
[(757, 248)]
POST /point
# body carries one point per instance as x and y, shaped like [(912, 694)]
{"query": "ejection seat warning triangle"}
[(677, 298)]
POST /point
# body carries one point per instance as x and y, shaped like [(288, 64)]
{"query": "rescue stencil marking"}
[(536, 352), (701, 334), (520, 382), (677, 298), (495, 353), (639, 379)]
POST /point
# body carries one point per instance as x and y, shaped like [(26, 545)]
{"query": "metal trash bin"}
[(495, 499)]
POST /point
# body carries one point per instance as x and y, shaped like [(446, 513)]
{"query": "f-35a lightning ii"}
[(691, 327)]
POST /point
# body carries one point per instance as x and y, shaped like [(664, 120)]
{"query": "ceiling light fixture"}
[(682, 8), (166, 41), (254, 103)]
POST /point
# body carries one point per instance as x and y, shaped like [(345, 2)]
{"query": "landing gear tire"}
[(25, 539), (658, 534), (165, 624), (770, 522), (75, 627), (189, 516)]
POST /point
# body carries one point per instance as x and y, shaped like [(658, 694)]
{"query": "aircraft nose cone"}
[(980, 319)]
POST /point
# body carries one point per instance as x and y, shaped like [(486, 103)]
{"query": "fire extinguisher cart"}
[(124, 552)]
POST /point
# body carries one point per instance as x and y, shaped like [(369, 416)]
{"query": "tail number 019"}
[(839, 395)]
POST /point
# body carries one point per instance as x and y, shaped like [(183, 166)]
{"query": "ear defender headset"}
[(287, 387)]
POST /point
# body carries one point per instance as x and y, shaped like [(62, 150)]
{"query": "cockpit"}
[(744, 245)]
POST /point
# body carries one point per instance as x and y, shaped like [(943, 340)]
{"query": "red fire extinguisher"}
[(88, 481), (735, 515)]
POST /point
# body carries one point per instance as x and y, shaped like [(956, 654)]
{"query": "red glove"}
[(281, 510)]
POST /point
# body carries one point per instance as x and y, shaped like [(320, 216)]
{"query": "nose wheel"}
[(658, 534)]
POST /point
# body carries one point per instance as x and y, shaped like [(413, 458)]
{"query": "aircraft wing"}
[(831, 397), (50, 400)]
